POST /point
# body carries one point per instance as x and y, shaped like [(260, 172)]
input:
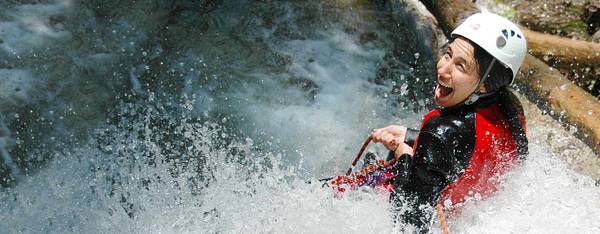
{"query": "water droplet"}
[(563, 87), (546, 58), (404, 89)]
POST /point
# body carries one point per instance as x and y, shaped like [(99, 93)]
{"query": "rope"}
[(442, 217), (371, 168), (360, 152)]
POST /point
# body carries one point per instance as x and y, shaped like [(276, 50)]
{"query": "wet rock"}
[(367, 37), (56, 19), (210, 5), (562, 143), (17, 88), (427, 26), (309, 87), (559, 17), (591, 15), (287, 31), (596, 37), (567, 18)]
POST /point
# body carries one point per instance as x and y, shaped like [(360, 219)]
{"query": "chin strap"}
[(476, 95)]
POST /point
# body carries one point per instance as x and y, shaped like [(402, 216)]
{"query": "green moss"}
[(511, 14), (363, 2), (575, 26)]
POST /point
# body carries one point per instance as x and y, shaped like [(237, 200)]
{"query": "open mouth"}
[(444, 90)]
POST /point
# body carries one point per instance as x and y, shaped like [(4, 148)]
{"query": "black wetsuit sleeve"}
[(439, 159), (411, 136), (513, 110)]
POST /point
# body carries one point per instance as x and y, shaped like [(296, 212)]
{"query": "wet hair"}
[(499, 75), (498, 80)]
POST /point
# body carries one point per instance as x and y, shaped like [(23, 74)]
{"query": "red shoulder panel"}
[(494, 152)]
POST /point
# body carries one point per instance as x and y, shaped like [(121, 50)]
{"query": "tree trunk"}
[(563, 49), (555, 92)]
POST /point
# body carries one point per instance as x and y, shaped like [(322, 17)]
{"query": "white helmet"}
[(498, 36)]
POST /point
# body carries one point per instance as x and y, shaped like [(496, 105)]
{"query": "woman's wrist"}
[(400, 132), (402, 149), (391, 136)]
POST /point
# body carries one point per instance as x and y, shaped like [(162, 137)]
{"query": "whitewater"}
[(165, 116)]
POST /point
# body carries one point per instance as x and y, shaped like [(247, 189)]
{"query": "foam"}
[(32, 28), (135, 176), (17, 88), (544, 195)]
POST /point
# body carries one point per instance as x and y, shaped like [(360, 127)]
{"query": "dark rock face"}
[(309, 87), (367, 37), (591, 15)]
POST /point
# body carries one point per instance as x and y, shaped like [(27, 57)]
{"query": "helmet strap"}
[(476, 95)]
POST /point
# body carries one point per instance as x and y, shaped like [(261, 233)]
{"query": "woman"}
[(477, 132)]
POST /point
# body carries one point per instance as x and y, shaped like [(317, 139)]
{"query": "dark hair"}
[(498, 77), (513, 111), (498, 80)]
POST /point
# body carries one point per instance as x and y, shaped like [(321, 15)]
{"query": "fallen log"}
[(566, 100), (450, 13), (542, 84), (569, 51)]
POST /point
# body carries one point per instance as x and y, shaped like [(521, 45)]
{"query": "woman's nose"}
[(444, 71)]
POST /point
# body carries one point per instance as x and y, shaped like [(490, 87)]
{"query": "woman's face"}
[(458, 73)]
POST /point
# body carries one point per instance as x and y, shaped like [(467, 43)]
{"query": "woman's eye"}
[(460, 67)]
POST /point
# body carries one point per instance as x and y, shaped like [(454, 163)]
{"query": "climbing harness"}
[(374, 175)]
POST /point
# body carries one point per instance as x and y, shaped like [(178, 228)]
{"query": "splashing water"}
[(218, 116)]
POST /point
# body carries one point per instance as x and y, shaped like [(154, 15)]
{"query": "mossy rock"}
[(558, 17)]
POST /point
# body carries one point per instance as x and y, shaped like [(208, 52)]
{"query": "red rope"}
[(442, 217), (360, 152), (382, 164)]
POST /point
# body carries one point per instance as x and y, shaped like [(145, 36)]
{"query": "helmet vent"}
[(500, 42)]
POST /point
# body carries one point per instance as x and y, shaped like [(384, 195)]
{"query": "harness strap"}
[(360, 152), (476, 95), (442, 217)]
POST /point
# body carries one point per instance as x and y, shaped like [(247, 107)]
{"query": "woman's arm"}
[(442, 154), (393, 135)]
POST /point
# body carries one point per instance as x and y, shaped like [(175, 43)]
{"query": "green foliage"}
[(510, 13), (575, 26)]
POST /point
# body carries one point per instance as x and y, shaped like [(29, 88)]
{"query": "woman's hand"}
[(391, 136), (403, 148)]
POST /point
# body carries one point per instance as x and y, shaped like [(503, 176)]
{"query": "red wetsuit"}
[(459, 153)]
